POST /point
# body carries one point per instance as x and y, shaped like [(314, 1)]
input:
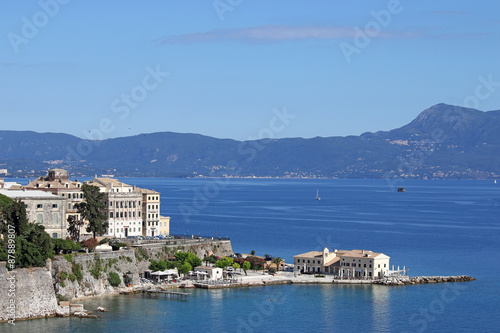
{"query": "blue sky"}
[(225, 68)]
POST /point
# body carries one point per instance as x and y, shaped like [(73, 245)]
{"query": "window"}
[(370, 265), (39, 218), (365, 266), (139, 214), (54, 205), (308, 261), (384, 265), (69, 206), (156, 215), (62, 195), (121, 214), (133, 214), (54, 235), (156, 206), (121, 204), (314, 261), (39, 206), (111, 214), (378, 265)]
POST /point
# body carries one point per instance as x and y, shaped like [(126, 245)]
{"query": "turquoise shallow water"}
[(435, 228)]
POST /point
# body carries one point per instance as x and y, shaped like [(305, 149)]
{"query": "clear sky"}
[(225, 68)]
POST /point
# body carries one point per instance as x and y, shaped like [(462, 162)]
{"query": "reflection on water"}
[(381, 308)]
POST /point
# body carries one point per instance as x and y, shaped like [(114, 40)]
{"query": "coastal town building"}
[(123, 207), (44, 208), (164, 228), (58, 183), (210, 273), (151, 218), (343, 263)]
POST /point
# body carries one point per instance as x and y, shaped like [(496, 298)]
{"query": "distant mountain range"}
[(444, 141)]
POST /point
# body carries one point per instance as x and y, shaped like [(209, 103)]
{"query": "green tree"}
[(224, 262), (93, 210), (191, 258), (74, 227), (252, 252), (33, 247), (157, 265), (15, 215), (185, 268), (246, 266), (236, 266)]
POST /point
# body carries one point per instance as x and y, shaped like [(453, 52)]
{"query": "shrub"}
[(96, 270), (129, 259), (62, 284), (61, 298), (114, 279), (68, 257), (90, 244), (65, 245), (77, 271), (117, 246), (63, 276), (104, 241), (72, 277)]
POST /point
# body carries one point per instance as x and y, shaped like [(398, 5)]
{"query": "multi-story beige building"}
[(343, 263), (44, 208), (123, 207), (57, 182), (153, 224), (164, 228)]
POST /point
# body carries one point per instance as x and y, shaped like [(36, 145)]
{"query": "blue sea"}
[(443, 227)]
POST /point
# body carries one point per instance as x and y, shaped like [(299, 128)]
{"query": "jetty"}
[(167, 294)]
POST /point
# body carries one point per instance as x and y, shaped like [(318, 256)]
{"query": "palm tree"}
[(277, 261)]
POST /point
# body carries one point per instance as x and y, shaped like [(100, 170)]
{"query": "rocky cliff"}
[(34, 292)]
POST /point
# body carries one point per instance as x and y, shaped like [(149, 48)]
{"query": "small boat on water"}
[(401, 189), (317, 195)]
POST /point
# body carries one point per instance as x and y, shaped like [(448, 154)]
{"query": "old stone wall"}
[(35, 291), (26, 293), (96, 269)]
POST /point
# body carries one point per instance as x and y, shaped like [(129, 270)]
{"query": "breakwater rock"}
[(406, 280)]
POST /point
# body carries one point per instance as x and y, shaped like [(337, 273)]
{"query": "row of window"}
[(40, 206), (152, 216), (153, 198), (354, 265), (123, 214), (124, 204), (152, 207), (308, 261), (157, 224), (112, 231), (73, 195)]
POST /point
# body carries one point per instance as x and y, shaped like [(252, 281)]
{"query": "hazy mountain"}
[(444, 141)]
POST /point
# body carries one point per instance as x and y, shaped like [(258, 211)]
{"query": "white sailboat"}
[(495, 181), (317, 195)]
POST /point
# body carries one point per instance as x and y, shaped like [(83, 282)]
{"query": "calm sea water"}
[(435, 228)]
